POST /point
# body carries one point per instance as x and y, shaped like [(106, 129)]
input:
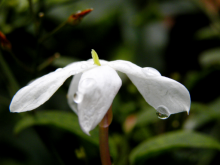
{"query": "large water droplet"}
[(151, 71), (77, 97), (161, 116), (162, 112)]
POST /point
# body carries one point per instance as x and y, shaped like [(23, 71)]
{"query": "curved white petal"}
[(96, 90), (167, 96), (39, 91), (74, 87), (72, 91)]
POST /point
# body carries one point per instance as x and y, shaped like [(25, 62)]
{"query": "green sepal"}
[(95, 57)]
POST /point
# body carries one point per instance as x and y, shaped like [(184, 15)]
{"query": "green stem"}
[(53, 32), (103, 138), (48, 62)]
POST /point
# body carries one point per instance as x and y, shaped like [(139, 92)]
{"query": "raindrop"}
[(162, 112), (161, 116), (77, 97)]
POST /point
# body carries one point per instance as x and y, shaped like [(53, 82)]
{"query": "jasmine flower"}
[(95, 85)]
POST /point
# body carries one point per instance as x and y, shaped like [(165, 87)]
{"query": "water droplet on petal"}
[(77, 97), (151, 71), (161, 116), (162, 112)]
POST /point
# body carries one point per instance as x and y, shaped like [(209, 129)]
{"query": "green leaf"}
[(65, 120), (210, 57), (215, 105), (207, 33), (202, 114), (146, 117), (178, 139)]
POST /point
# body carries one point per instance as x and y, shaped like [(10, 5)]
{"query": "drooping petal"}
[(167, 96), (96, 90), (74, 87), (72, 92), (39, 91)]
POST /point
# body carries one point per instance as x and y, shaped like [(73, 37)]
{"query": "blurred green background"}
[(180, 38)]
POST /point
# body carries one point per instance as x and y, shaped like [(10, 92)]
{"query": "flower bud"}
[(74, 19)]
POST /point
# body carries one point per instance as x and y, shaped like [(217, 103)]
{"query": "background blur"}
[(180, 38)]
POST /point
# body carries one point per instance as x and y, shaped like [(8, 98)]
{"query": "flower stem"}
[(53, 32), (103, 138)]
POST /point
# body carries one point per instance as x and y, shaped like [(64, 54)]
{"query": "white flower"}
[(94, 87)]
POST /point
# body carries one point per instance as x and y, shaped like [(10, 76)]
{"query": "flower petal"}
[(167, 96), (96, 90), (72, 90), (74, 87), (39, 91)]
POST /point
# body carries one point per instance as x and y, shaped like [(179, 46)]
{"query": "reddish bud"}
[(74, 19), (5, 44)]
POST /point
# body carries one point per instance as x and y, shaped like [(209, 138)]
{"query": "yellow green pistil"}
[(95, 58)]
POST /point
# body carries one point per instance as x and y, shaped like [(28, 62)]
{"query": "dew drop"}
[(77, 97), (162, 112), (161, 116)]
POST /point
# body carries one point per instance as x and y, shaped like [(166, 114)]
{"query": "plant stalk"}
[(53, 32), (103, 138)]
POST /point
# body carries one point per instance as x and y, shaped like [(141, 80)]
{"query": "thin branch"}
[(53, 32)]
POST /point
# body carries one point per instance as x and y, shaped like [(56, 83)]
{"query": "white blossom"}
[(93, 89)]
